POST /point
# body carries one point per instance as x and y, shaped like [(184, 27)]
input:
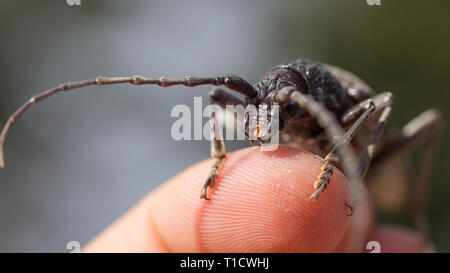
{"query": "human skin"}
[(259, 204)]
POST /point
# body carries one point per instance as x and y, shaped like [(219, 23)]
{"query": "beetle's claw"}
[(351, 209), (315, 196), (320, 187), (203, 196), (203, 193), (209, 182)]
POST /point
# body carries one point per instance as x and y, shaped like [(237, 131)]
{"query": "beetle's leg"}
[(383, 102), (361, 112), (425, 129), (333, 157), (328, 121), (218, 151), (233, 82), (358, 115)]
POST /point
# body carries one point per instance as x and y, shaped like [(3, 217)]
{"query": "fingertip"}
[(262, 204)]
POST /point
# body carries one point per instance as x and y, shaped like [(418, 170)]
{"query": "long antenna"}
[(232, 82)]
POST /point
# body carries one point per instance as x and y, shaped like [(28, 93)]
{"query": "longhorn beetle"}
[(322, 108)]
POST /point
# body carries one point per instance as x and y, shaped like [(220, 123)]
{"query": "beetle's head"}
[(264, 117), (278, 115)]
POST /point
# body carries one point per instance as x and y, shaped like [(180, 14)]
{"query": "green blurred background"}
[(80, 160)]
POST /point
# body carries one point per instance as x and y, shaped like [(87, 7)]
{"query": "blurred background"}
[(78, 161)]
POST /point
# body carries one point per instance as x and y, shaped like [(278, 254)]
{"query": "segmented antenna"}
[(232, 82)]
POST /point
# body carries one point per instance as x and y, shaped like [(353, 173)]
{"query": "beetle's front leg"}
[(358, 115), (333, 158), (218, 151), (328, 121)]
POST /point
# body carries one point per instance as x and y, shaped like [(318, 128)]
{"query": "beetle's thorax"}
[(315, 81), (276, 79)]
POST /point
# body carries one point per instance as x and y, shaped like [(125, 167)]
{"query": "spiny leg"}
[(382, 102), (231, 81), (358, 114), (426, 129), (328, 121), (366, 109), (218, 151), (332, 158)]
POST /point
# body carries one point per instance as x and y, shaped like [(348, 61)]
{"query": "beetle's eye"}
[(265, 82), (284, 84)]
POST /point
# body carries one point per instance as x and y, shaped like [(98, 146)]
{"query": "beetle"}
[(322, 108)]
